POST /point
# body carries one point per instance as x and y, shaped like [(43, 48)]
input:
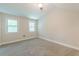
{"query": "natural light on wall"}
[(12, 25)]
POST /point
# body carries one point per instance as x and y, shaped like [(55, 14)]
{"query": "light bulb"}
[(40, 5)]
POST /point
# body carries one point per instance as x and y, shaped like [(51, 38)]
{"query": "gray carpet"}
[(36, 47)]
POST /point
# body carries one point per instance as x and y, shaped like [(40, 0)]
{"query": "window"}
[(31, 26), (12, 25)]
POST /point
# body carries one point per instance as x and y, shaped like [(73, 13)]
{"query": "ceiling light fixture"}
[(40, 6)]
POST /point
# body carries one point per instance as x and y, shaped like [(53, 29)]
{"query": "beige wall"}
[(0, 28), (23, 29), (61, 25)]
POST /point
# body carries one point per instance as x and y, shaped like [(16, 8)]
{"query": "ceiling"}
[(32, 11), (29, 10)]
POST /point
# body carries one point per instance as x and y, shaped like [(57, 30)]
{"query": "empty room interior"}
[(39, 29)]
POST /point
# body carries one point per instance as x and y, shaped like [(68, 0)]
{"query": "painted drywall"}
[(23, 28), (61, 25), (0, 28)]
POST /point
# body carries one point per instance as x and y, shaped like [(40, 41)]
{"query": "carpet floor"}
[(36, 47)]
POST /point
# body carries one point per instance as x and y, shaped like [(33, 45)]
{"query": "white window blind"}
[(12, 25), (31, 26)]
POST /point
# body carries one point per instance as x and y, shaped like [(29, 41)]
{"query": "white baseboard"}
[(16, 41), (64, 44)]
